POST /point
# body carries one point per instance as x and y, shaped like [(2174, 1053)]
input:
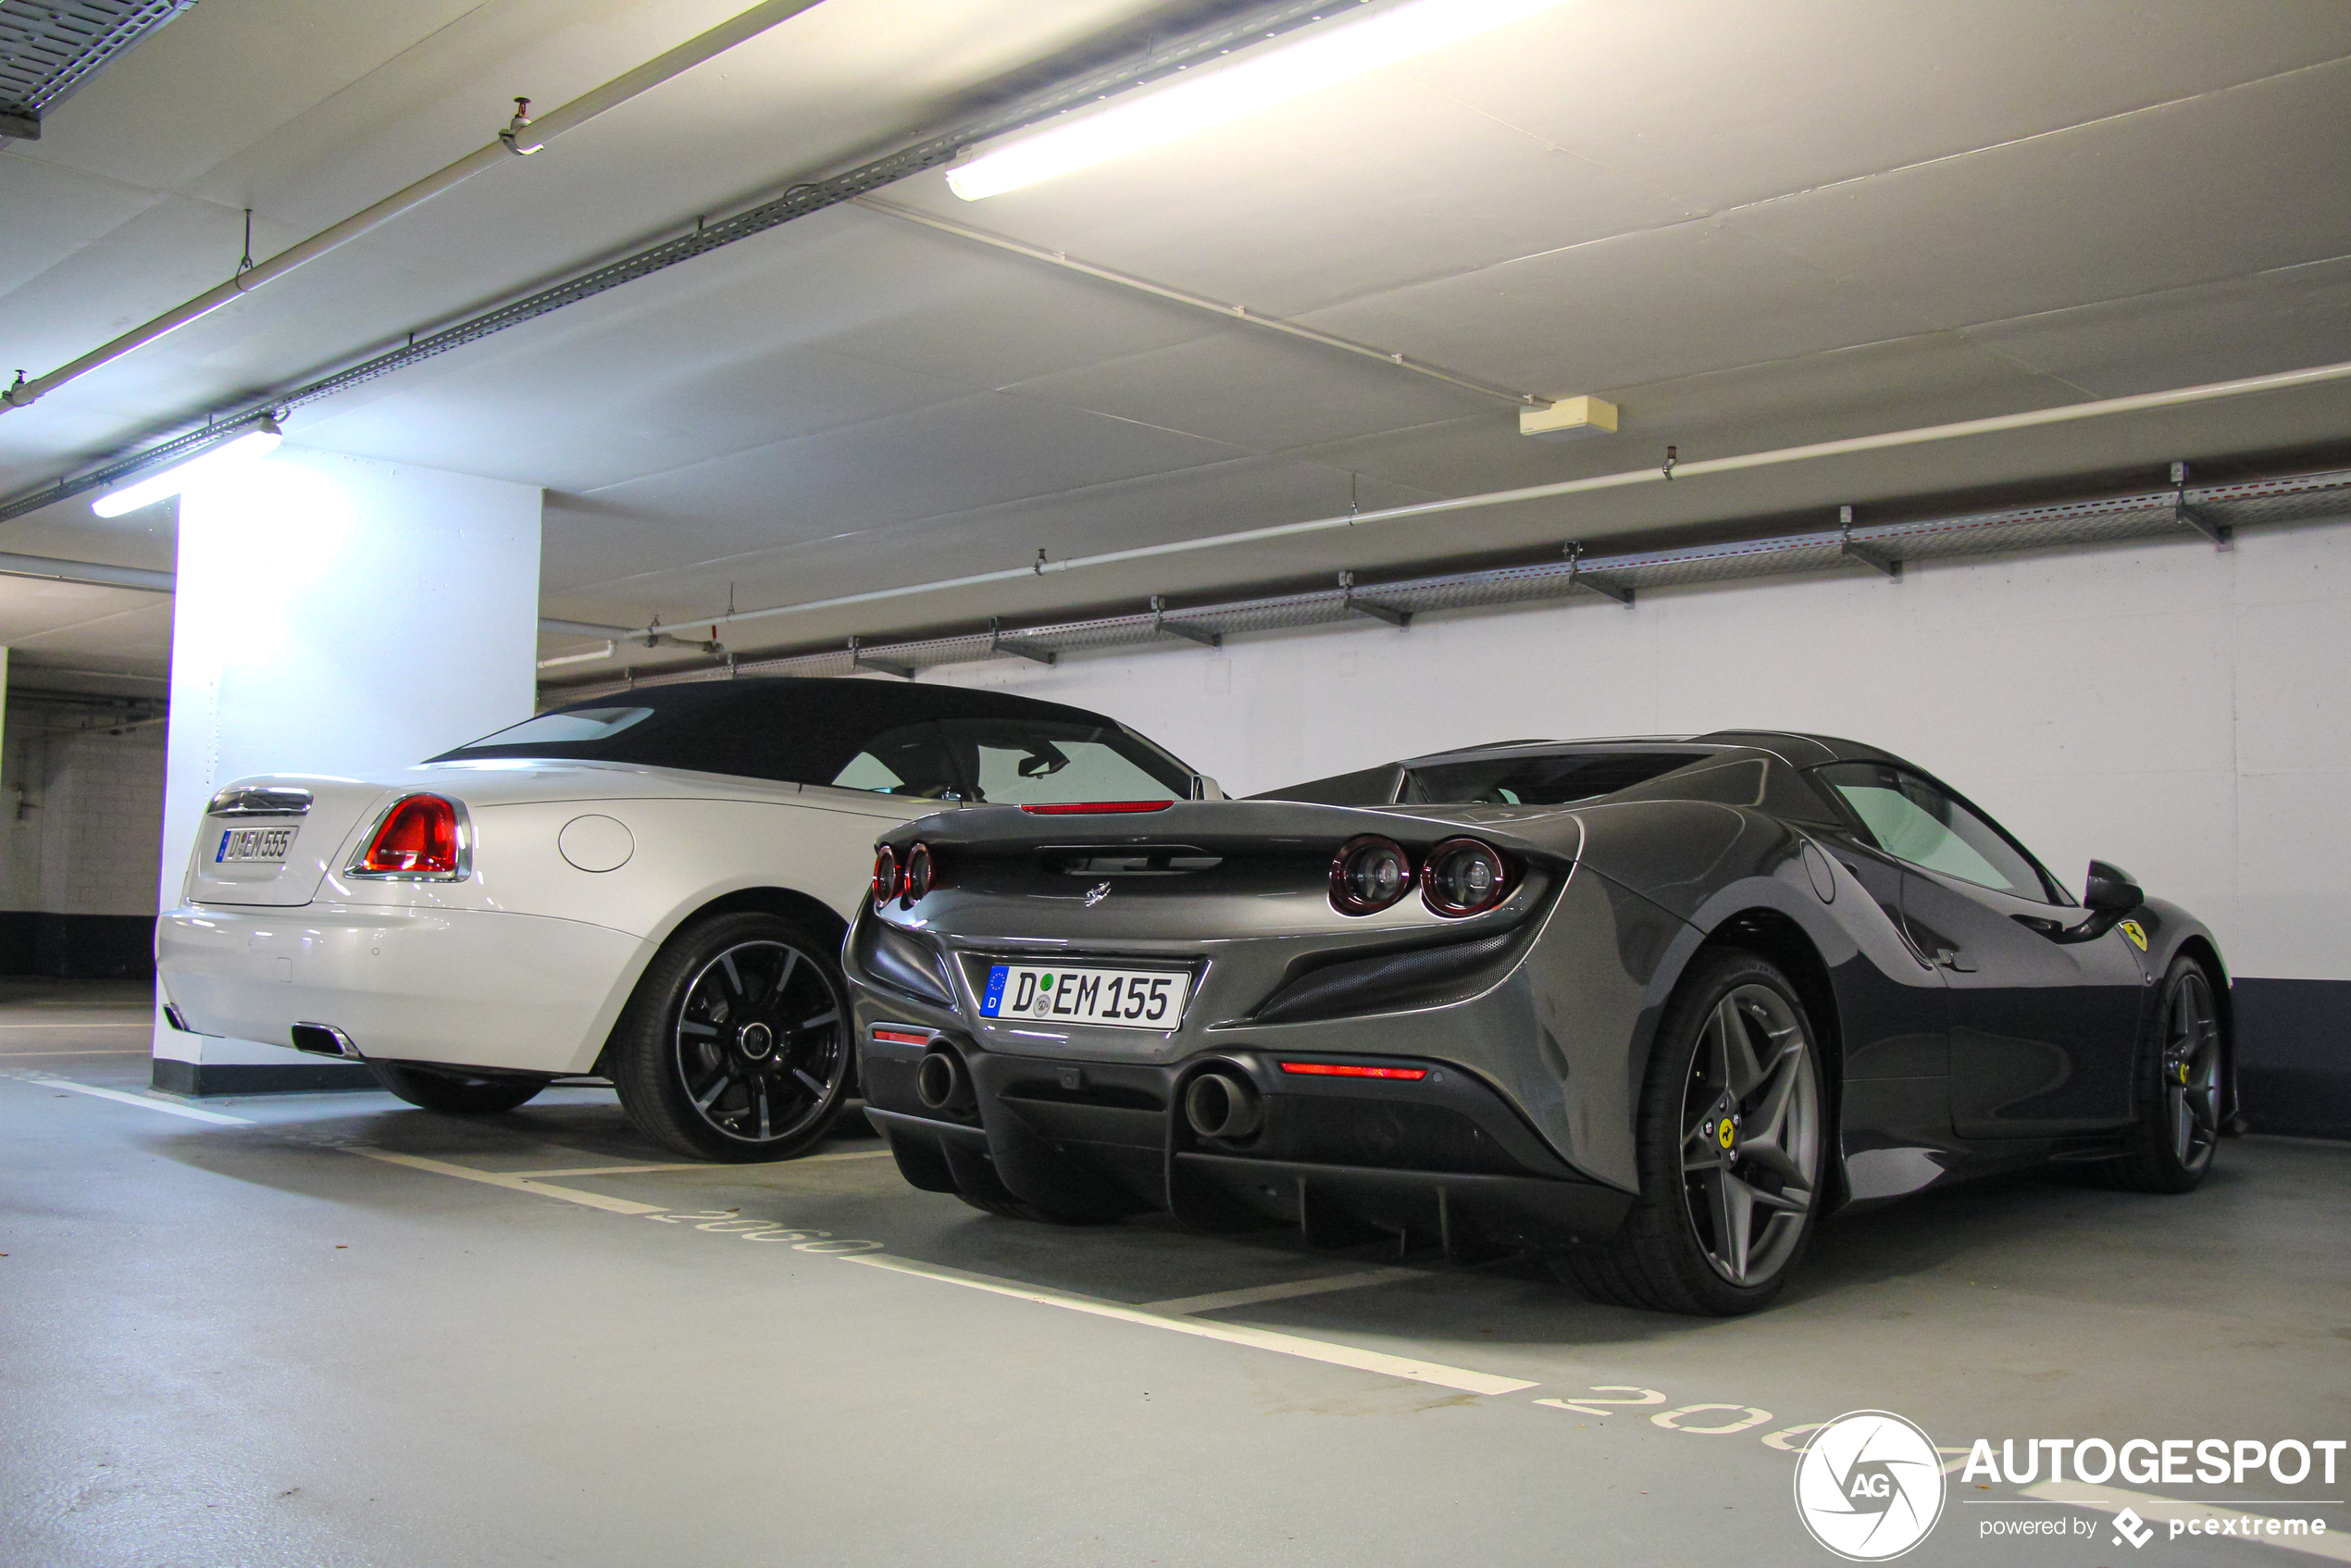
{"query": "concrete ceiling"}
[(1749, 226)]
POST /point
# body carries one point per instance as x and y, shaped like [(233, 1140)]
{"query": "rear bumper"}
[(468, 987), (1442, 1161)]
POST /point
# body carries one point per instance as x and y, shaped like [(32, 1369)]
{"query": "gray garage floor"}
[(330, 1329)]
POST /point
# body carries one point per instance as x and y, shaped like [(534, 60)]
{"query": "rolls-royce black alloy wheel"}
[(2177, 1088), (735, 1046), (1733, 1134)]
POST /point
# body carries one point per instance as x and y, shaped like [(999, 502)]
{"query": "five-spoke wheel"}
[(737, 1044), (2181, 1079), (1751, 1135), (1733, 1133)]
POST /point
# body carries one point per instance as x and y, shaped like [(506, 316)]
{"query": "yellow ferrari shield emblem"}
[(2137, 932), (1724, 1134)]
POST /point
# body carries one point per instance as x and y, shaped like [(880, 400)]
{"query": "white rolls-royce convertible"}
[(652, 888)]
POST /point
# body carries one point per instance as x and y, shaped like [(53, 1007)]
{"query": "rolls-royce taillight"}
[(421, 837), (1462, 876)]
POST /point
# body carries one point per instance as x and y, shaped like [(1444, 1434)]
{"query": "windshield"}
[(1559, 778), (1016, 760)]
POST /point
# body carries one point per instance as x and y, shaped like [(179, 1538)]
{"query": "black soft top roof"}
[(770, 727)]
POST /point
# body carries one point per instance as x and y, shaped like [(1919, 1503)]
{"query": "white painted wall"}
[(2172, 708), (338, 615)]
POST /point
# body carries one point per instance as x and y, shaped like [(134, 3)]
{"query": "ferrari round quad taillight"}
[(1463, 877), (887, 874), (1368, 875), (421, 839), (921, 875)]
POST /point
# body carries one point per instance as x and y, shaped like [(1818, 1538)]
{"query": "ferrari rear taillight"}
[(421, 837), (1462, 876), (922, 874), (1351, 1070), (886, 875), (1368, 875)]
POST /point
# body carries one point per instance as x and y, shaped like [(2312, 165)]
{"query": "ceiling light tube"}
[(1321, 57), (240, 452)]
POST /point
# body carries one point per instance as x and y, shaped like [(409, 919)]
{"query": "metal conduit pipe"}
[(523, 136), (2137, 403), (1243, 28)]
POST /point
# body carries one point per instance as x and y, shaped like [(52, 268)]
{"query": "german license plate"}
[(253, 846), (1123, 999)]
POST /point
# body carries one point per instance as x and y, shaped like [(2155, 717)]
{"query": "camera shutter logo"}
[(1869, 1485)]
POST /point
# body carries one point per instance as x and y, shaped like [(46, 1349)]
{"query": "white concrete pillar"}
[(341, 616)]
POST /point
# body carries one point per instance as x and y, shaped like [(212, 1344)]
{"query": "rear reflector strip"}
[(903, 1036), (1350, 1070), (1092, 808)]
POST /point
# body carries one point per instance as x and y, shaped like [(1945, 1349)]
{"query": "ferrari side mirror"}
[(2110, 890)]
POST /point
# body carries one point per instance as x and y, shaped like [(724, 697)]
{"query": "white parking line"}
[(1183, 1306), (512, 1183), (132, 1051), (2334, 1545), (1232, 1334), (701, 1165), (143, 1102)]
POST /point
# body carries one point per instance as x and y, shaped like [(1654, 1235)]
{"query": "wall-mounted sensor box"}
[(1568, 419)]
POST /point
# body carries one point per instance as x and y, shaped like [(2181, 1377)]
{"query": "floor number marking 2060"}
[(727, 1222), (1741, 1418)]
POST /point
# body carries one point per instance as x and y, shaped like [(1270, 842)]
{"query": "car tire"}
[(457, 1093), (2178, 1077), (1733, 1139), (735, 1046)]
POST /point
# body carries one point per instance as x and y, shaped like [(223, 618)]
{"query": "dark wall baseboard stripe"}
[(77, 947), (258, 1077), (2294, 1056)]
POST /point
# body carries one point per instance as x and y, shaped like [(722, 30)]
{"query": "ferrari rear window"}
[(1559, 778)]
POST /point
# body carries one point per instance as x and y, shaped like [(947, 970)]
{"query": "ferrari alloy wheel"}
[(455, 1092), (1732, 1137), (737, 1044), (2177, 1093)]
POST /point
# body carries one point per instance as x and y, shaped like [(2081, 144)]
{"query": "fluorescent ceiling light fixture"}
[(1321, 57), (241, 453)]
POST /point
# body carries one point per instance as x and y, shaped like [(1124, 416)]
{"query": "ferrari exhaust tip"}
[(940, 1082), (1218, 1105)]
